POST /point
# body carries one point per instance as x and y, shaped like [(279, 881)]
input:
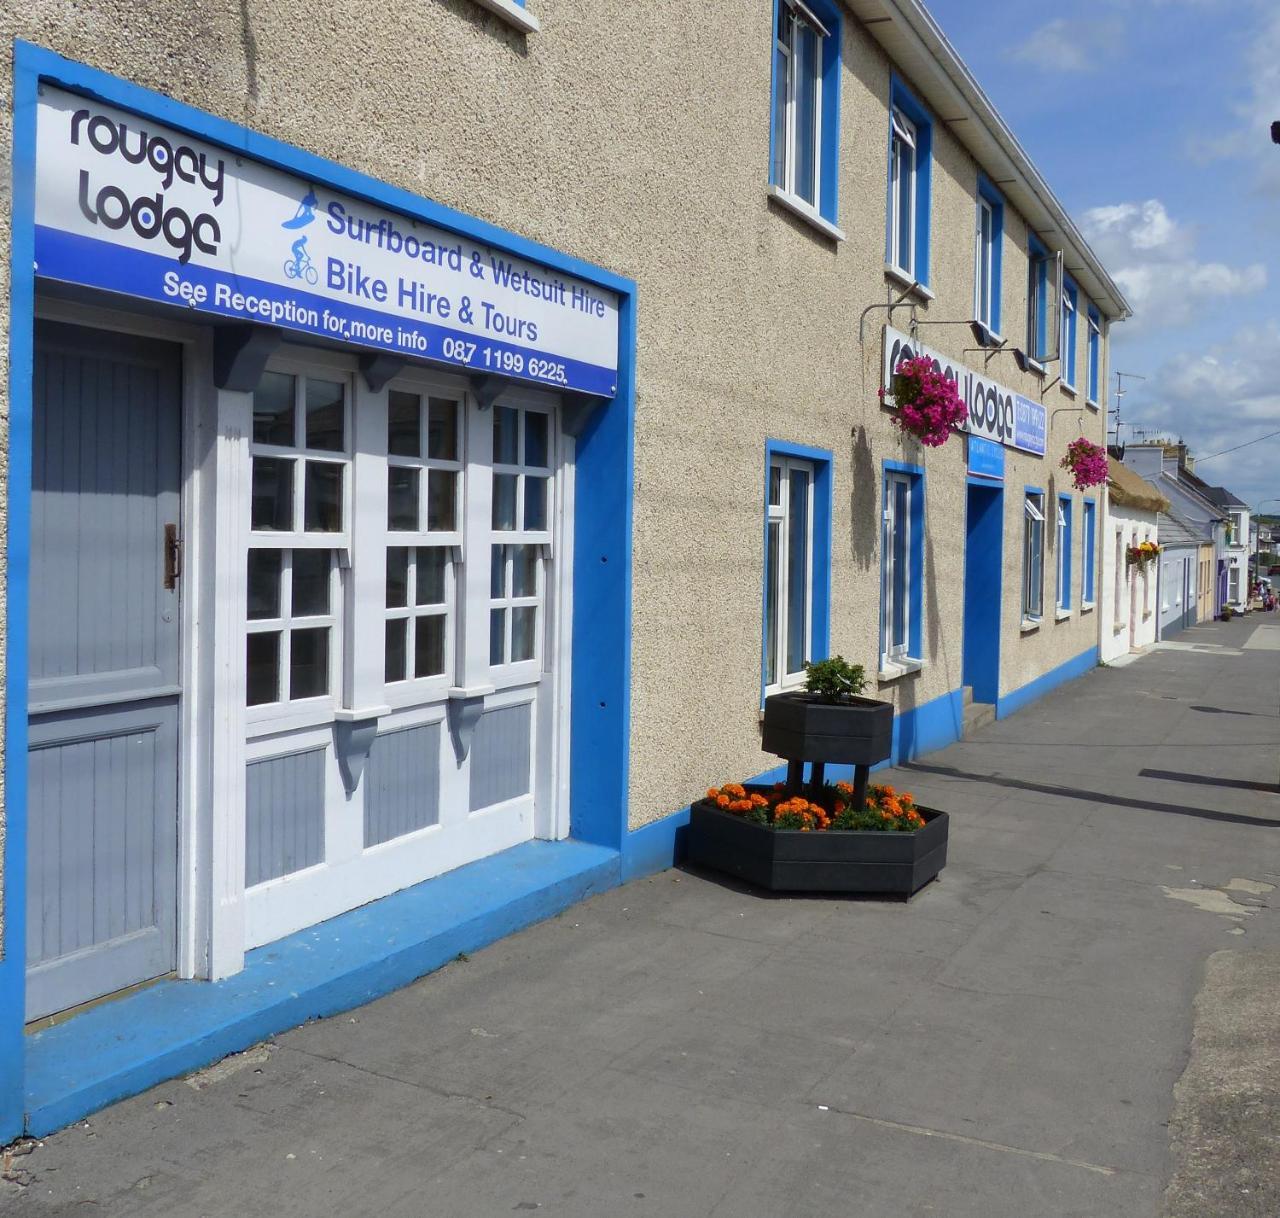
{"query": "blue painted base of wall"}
[(124, 1047), (1008, 704), (923, 729)]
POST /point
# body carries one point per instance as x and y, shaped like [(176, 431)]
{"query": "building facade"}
[(1129, 583), (421, 437)]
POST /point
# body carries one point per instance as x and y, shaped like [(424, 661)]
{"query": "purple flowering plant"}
[(928, 404), (1087, 463)]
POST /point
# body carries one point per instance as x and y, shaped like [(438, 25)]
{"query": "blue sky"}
[(1150, 120)]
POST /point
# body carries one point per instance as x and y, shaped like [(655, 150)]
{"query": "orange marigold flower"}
[(846, 787), (712, 792), (722, 801)]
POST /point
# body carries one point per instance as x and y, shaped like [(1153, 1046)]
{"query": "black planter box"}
[(788, 860), (799, 727)]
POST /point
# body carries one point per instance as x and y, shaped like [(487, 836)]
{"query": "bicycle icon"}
[(300, 265)]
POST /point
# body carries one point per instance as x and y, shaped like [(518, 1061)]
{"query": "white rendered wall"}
[(1133, 626)]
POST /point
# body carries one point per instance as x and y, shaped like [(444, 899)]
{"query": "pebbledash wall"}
[(756, 327)]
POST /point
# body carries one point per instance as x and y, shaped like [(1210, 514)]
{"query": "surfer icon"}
[(306, 211)]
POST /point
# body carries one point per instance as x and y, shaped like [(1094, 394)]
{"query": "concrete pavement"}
[(1008, 1044)]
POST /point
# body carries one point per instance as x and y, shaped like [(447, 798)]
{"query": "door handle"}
[(172, 556)]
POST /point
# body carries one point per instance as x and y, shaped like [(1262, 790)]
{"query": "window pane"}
[(772, 576), (524, 571), (798, 570), (905, 220), (806, 151), (497, 627), (524, 618), (428, 646), (535, 503), (404, 433), (396, 665), (442, 513), (309, 663), (775, 486), (323, 498), (497, 572), (506, 439), (310, 583), (781, 87), (535, 439), (397, 577), (431, 562), (504, 501), (898, 591), (325, 415), (273, 409), (442, 430), (402, 499), (262, 668), (264, 583), (272, 506)]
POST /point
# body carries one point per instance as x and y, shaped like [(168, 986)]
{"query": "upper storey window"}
[(910, 144)]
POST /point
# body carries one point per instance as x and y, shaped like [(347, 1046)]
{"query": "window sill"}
[(1086, 606), (1146, 617), (989, 336), (892, 670), (1061, 615), (1092, 404), (799, 207), (904, 280), (513, 14), (1069, 390), (1029, 625), (1035, 366)]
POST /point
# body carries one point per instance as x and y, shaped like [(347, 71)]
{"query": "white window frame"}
[(779, 515), (904, 145), (1032, 560), (1067, 331), (1094, 370), (1063, 548), (798, 17), (288, 712), (984, 266), (895, 653), (1088, 561)]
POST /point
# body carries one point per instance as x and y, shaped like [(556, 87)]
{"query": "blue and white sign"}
[(995, 412), (986, 459), (127, 205)]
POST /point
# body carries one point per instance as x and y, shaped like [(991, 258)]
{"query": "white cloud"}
[(1063, 45), (1216, 400), (1152, 257)]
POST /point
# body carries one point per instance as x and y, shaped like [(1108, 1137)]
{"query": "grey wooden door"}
[(104, 665)]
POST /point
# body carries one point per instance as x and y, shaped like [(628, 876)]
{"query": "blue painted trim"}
[(823, 461), (1015, 700), (1090, 556), (601, 646), (1095, 354), (131, 1044), (17, 557), (983, 581), (989, 191), (655, 847), (902, 97), (829, 146), (1064, 558)]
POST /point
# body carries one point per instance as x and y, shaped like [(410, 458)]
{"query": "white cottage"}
[(1128, 588)]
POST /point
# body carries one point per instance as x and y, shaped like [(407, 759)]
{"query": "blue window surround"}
[(1090, 557), (1067, 357), (822, 460), (1038, 285), (988, 190), (601, 642), (902, 98), (1064, 555), (829, 144), (915, 607), (1095, 355)]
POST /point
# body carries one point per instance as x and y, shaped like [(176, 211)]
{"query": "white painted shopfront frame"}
[(216, 923)]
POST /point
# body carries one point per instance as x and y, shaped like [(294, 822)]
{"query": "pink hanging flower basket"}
[(929, 407), (1086, 462)]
